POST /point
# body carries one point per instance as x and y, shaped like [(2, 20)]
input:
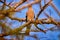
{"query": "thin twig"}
[(19, 3), (43, 9), (55, 8), (27, 5)]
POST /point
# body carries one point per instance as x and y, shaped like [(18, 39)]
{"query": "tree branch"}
[(43, 8), (17, 10)]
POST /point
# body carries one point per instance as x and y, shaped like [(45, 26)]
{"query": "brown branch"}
[(15, 31), (43, 9), (55, 9), (47, 21), (51, 19), (19, 3), (5, 4), (40, 4), (1, 1), (44, 21), (19, 19), (27, 5), (10, 2), (12, 32), (39, 28)]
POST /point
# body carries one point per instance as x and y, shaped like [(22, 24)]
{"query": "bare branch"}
[(43, 9), (19, 19), (55, 9), (51, 19), (27, 5), (39, 28), (19, 3)]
